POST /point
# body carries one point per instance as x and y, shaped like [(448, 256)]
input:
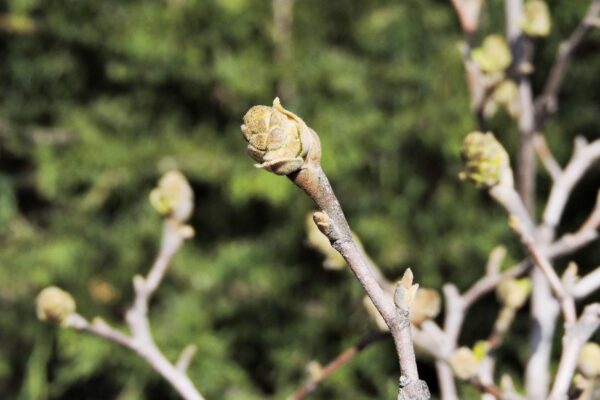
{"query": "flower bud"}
[(464, 363), (54, 305), (513, 293), (405, 292), (427, 305), (486, 161), (319, 242), (506, 95), (589, 360), (493, 55), (279, 140), (173, 197), (536, 19)]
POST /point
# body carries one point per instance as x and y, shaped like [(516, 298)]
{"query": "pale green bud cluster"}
[(486, 161), (536, 18), (279, 140), (513, 293), (55, 305), (493, 55), (173, 197)]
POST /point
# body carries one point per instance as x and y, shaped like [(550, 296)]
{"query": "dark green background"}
[(106, 95)]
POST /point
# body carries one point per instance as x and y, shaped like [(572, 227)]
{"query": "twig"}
[(141, 340), (584, 155), (546, 103), (342, 359), (185, 358), (587, 285), (564, 297), (575, 337), (544, 153), (521, 222), (521, 52)]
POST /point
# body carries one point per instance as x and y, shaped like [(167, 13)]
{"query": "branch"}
[(575, 337), (282, 143), (546, 156), (342, 359), (174, 199), (547, 102), (522, 223), (584, 155), (587, 285)]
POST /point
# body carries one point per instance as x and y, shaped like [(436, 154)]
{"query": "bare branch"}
[(587, 285), (575, 337), (584, 155), (342, 359), (547, 102), (545, 154)]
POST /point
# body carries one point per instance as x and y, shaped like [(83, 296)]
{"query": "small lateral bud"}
[(55, 305), (513, 293), (463, 362), (589, 360), (493, 56), (319, 242), (426, 305), (405, 292), (173, 197)]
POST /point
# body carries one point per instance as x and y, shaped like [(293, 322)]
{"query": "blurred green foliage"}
[(102, 97)]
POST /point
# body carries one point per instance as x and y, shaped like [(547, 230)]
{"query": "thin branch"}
[(137, 315), (546, 156), (521, 222), (575, 337), (547, 102), (342, 359), (333, 224), (587, 285), (584, 155), (185, 358)]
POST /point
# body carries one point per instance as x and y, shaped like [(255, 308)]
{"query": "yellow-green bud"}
[(486, 161), (589, 360), (173, 197), (464, 363), (506, 94), (493, 55), (54, 305), (513, 293), (279, 140), (536, 18)]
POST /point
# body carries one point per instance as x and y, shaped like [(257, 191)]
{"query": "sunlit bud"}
[(319, 242), (486, 161), (279, 140), (513, 293), (54, 305), (405, 292), (173, 197), (589, 360), (464, 363), (493, 55), (536, 18)]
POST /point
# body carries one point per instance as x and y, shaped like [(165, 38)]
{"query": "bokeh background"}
[(99, 98)]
